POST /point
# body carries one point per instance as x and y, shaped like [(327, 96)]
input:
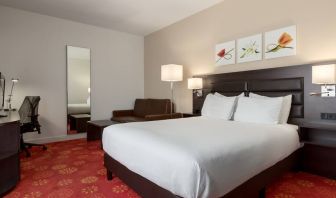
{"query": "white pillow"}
[(235, 105), (218, 106), (258, 110), (286, 106)]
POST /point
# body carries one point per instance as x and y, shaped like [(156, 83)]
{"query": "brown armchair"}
[(146, 110)]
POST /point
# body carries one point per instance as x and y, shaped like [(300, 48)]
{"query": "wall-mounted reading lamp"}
[(196, 84), (10, 96), (324, 75)]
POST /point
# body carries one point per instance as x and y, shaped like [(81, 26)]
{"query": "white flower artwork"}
[(249, 48)]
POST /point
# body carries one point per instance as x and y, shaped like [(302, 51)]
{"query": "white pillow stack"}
[(286, 106), (255, 108), (218, 106), (258, 110)]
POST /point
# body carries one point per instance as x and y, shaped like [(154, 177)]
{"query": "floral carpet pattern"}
[(75, 169)]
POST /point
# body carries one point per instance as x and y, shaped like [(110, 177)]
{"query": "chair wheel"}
[(30, 146), (44, 148), (28, 155)]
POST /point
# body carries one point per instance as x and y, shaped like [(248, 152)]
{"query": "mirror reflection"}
[(78, 86)]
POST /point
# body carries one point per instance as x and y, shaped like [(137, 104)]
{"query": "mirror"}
[(78, 89)]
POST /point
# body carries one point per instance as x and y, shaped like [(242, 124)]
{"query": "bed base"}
[(252, 188)]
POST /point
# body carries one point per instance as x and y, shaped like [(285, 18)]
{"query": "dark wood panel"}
[(265, 87), (228, 86), (272, 85)]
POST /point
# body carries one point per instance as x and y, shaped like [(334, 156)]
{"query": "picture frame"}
[(280, 42), (249, 48), (225, 53)]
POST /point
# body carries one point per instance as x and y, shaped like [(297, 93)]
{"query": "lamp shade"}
[(172, 73), (15, 80), (195, 83), (324, 74)]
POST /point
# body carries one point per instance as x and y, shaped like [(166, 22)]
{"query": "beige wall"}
[(33, 48), (191, 42)]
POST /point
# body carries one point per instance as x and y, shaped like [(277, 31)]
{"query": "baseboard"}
[(56, 138)]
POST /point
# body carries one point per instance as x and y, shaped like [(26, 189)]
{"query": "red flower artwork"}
[(223, 54)]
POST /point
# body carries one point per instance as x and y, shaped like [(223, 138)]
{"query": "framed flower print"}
[(280, 43)]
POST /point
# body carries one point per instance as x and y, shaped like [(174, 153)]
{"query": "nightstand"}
[(79, 122), (319, 151), (95, 128), (188, 115)]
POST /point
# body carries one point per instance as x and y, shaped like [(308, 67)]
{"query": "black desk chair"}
[(29, 121)]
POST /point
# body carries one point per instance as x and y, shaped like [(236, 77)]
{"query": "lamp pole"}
[(11, 94), (172, 97)]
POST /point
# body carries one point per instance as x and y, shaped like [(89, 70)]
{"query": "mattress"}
[(198, 156), (78, 109)]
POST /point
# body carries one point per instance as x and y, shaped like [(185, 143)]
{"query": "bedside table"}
[(95, 128), (319, 151), (188, 115), (79, 122)]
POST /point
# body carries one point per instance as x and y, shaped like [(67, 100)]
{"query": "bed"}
[(78, 109), (198, 157)]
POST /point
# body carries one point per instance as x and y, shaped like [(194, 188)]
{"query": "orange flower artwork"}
[(283, 42), (285, 39)]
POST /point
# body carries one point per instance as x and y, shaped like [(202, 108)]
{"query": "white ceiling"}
[(140, 17)]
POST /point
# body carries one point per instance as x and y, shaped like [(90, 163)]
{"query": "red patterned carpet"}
[(75, 169)]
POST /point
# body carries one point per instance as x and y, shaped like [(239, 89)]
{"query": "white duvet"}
[(199, 157)]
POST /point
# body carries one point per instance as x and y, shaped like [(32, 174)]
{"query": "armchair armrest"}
[(120, 113), (163, 116)]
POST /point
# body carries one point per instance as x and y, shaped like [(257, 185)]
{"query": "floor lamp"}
[(171, 73), (2, 85)]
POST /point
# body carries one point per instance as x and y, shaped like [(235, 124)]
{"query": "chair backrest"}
[(29, 108), (143, 107)]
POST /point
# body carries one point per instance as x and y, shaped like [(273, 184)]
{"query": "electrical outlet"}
[(328, 116)]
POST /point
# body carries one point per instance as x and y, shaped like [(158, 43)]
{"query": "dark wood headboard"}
[(265, 87), (295, 80)]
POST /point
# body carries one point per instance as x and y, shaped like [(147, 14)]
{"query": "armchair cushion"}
[(145, 110), (120, 113), (143, 107), (140, 106)]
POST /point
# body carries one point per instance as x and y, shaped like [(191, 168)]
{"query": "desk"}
[(12, 116), (9, 151)]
